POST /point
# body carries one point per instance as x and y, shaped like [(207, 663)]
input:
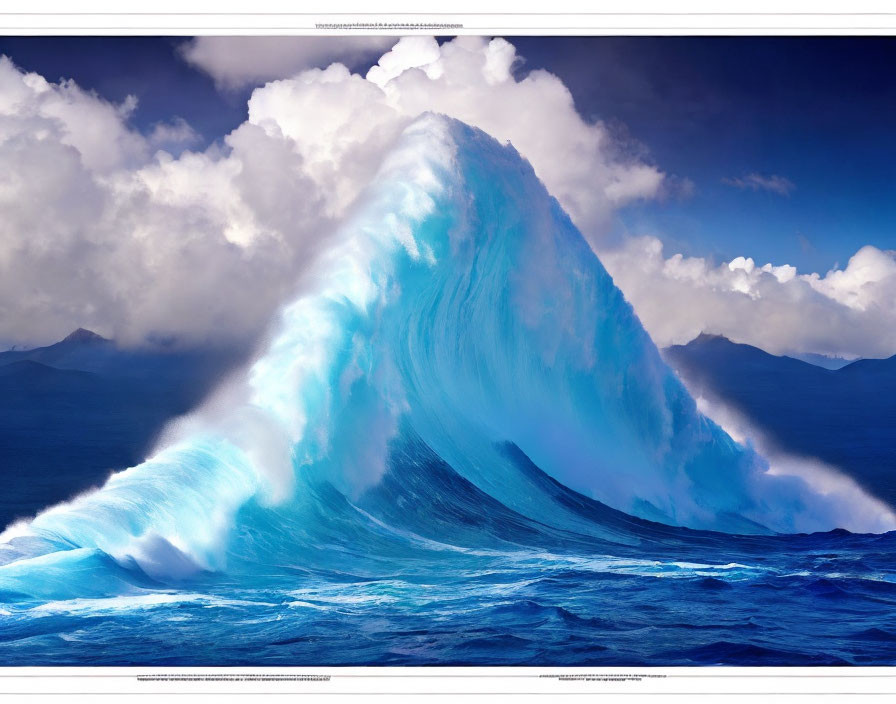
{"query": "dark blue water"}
[(481, 585)]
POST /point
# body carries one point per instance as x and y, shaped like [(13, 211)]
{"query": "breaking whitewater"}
[(459, 447)]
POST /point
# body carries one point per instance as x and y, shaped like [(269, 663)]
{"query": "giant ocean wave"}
[(461, 444)]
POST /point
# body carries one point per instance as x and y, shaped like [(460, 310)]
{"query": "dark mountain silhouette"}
[(845, 417), (80, 349), (73, 412), (820, 360)]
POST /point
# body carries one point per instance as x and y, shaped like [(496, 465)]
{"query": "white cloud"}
[(95, 128), (332, 116), (173, 134), (867, 283), (759, 182), (848, 312), (101, 229), (235, 62), (97, 232), (410, 52)]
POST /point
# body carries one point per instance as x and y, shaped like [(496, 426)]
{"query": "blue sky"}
[(815, 113)]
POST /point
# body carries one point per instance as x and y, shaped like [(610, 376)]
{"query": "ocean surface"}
[(459, 448)]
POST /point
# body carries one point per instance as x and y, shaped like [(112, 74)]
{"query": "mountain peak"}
[(82, 335), (705, 337)]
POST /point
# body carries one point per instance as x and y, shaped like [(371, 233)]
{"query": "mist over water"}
[(461, 444)]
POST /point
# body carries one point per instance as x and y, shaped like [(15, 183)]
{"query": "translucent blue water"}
[(460, 447)]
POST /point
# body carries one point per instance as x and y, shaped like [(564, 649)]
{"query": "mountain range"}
[(845, 417), (73, 412)]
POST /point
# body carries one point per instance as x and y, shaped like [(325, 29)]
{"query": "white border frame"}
[(616, 17)]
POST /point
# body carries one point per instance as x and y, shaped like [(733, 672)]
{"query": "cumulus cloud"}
[(849, 312), (469, 78), (97, 231), (107, 228), (72, 117), (757, 182), (136, 236), (235, 62), (173, 134)]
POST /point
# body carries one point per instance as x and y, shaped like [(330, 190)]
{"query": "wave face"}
[(459, 447)]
